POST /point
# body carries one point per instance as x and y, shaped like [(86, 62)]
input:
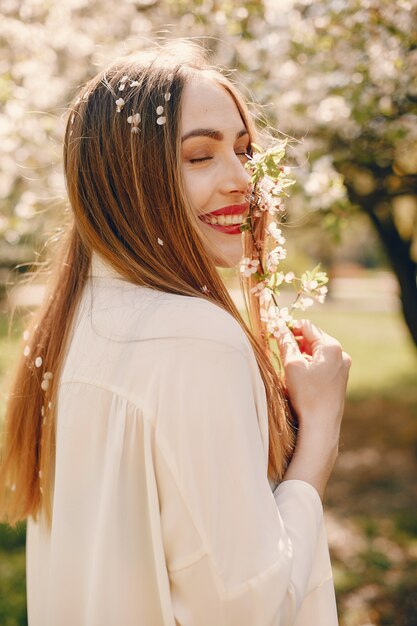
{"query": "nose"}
[(235, 176)]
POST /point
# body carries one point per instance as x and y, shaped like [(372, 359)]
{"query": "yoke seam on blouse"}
[(144, 408)]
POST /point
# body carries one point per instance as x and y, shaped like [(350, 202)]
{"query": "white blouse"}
[(163, 514)]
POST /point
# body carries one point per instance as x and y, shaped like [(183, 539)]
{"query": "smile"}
[(223, 220), (226, 220)]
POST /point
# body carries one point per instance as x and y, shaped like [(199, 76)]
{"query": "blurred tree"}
[(352, 70), (48, 49), (341, 75)]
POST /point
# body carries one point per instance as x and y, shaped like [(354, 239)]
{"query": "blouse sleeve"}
[(237, 554)]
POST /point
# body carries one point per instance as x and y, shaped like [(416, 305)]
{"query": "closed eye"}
[(200, 160)]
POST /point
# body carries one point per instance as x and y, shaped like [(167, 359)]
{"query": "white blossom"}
[(275, 317), (275, 232), (309, 285), (120, 104), (256, 290), (265, 296), (134, 119), (274, 257), (322, 292), (248, 266), (304, 302)]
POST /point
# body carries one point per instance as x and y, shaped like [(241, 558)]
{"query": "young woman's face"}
[(214, 144)]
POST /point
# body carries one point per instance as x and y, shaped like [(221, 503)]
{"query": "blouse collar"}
[(100, 267)]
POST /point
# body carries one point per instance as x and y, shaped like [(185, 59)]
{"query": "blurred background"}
[(339, 78)]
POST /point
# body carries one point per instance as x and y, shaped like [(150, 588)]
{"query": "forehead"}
[(206, 104)]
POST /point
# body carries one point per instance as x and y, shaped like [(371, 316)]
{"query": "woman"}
[(147, 427)]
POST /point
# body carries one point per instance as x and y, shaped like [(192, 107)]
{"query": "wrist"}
[(318, 435), (313, 459)]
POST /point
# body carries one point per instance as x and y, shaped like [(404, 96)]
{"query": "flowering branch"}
[(268, 184)]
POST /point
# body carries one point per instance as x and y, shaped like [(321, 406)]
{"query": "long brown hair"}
[(126, 191)]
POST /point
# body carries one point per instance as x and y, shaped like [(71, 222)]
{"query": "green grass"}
[(384, 359)]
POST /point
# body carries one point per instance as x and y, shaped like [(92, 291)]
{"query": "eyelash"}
[(208, 158), (200, 160)]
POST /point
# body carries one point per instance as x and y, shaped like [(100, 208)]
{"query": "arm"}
[(316, 372), (237, 554)]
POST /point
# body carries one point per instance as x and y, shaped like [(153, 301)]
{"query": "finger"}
[(303, 345), (313, 337), (309, 330), (347, 360), (287, 344)]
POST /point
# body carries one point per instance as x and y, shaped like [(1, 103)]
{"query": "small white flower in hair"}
[(26, 335), (167, 96), (170, 77), (161, 120), (38, 361), (120, 104), (161, 243), (159, 110), (134, 83), (205, 289), (122, 86), (134, 119), (47, 376), (26, 351)]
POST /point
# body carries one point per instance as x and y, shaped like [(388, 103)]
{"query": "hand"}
[(316, 373)]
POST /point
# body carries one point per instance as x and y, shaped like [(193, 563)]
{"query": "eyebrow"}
[(210, 132)]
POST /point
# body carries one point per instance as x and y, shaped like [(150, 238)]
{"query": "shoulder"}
[(122, 311)]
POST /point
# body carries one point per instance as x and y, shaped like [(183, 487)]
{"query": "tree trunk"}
[(398, 252)]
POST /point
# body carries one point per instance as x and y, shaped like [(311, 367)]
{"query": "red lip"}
[(232, 229), (233, 209)]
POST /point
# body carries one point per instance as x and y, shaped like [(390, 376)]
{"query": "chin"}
[(229, 253), (225, 250)]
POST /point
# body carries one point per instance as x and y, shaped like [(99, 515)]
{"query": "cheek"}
[(199, 188)]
